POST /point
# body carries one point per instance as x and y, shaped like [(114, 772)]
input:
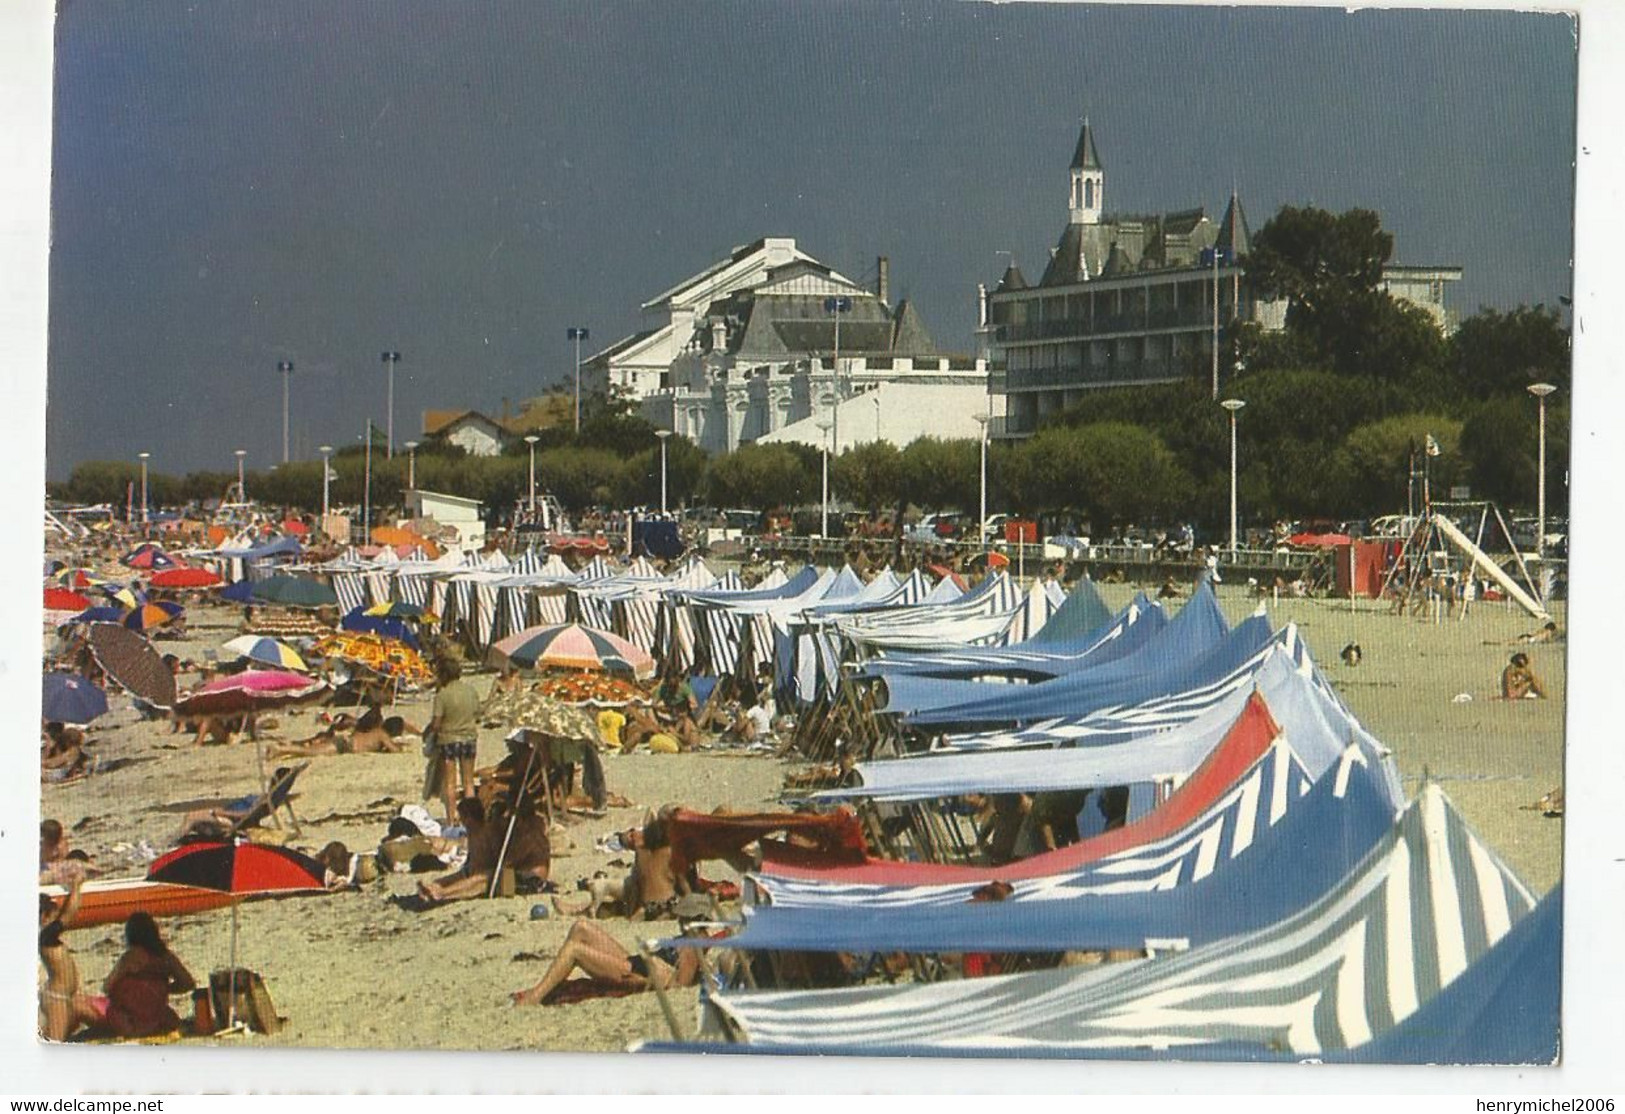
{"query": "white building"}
[(470, 430), (898, 412), (462, 515), (762, 354)]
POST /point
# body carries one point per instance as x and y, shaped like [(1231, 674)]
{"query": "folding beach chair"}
[(277, 796)]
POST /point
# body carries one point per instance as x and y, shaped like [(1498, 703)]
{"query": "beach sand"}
[(355, 970)]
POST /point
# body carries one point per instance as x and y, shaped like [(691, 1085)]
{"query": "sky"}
[(239, 183)]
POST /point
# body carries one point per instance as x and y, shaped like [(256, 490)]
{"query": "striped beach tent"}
[(1419, 911)]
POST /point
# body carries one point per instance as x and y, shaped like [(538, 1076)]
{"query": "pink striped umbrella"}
[(573, 646), (249, 691)]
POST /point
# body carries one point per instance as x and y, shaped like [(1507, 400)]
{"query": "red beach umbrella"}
[(61, 599), (184, 578), (241, 869)]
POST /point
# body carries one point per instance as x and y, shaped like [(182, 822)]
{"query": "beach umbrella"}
[(126, 597), (573, 646), (269, 651), (71, 698), (79, 578), (546, 716), (251, 691), (132, 661), (149, 555), (240, 592), (391, 609), (241, 869), (295, 591), (100, 615), (151, 616), (62, 599), (184, 578)]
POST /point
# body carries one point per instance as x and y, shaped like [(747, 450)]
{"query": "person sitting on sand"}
[(598, 955), (1547, 633), (62, 756), (528, 853), (63, 1008), (1518, 681), (673, 713), (139, 987), (753, 723), (652, 885)]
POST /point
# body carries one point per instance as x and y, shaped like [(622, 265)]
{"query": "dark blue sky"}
[(237, 183)]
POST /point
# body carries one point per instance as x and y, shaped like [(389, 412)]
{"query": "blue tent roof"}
[(1320, 839), (357, 619), (1192, 649), (1082, 612)]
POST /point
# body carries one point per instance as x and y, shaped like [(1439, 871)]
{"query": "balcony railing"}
[(1095, 375), (1113, 324)]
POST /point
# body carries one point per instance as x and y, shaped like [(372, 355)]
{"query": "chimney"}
[(883, 279)]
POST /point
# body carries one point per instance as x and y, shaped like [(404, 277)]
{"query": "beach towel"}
[(582, 990)]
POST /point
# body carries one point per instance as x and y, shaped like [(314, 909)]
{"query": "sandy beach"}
[(356, 970)]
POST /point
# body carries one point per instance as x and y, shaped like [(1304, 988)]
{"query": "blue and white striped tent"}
[(1417, 914)]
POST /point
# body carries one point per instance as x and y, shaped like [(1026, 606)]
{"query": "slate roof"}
[(1234, 234), (1013, 279), (1085, 157), (910, 337)]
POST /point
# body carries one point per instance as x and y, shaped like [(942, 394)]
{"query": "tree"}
[(760, 477), (1502, 353), (1112, 471), (869, 476), (1375, 460), (686, 463), (939, 474), (1500, 444)]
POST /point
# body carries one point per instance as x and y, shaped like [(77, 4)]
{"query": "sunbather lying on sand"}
[(599, 955), (373, 734), (528, 852)]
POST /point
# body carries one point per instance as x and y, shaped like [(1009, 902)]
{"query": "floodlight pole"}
[(242, 492), (286, 368), (981, 519), (390, 359), (1233, 405), (1216, 332), (577, 334), (327, 472), (836, 307), (663, 434), (1540, 391), (531, 441), (366, 492), (823, 529), (143, 457)]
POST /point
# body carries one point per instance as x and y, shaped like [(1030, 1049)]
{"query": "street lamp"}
[(1232, 405), (825, 425), (836, 307), (327, 474), (286, 368), (390, 359), (1540, 391), (663, 434), (981, 521), (411, 466), (875, 398), (143, 457), (531, 441), (577, 334), (366, 490), (242, 492)]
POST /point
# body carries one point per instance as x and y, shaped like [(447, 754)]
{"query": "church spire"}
[(1088, 180)]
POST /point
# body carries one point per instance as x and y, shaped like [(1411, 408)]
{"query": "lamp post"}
[(531, 441), (144, 457), (242, 492), (327, 474), (577, 334), (411, 466), (1232, 405), (286, 368), (390, 359), (981, 518), (825, 425), (366, 490), (875, 398), (836, 307), (1216, 330), (1540, 391), (663, 434)]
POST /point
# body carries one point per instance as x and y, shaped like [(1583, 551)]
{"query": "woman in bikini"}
[(599, 955), (63, 1009), (142, 981)]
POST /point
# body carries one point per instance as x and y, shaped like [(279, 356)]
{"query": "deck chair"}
[(277, 796)]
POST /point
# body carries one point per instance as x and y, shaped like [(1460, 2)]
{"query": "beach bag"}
[(253, 1008)]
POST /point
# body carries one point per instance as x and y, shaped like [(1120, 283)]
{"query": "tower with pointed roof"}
[(1088, 180)]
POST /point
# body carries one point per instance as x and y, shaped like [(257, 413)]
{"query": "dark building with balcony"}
[(1131, 299)]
